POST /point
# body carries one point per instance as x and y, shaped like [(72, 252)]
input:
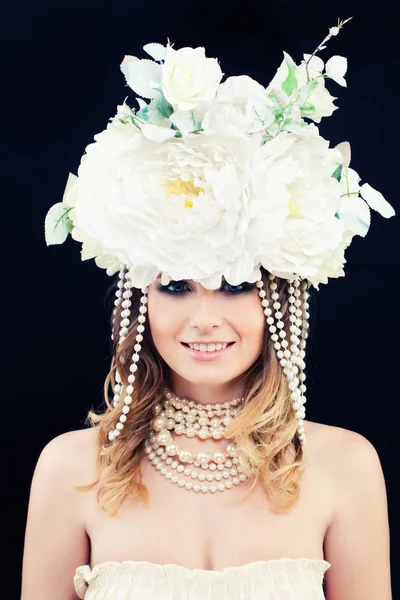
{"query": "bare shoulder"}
[(357, 539), (73, 455), (336, 444), (56, 541)]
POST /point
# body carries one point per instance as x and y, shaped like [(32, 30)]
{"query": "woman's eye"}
[(179, 287)]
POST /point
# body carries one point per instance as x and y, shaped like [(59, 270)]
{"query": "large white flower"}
[(196, 208), (188, 77), (313, 238), (211, 205)]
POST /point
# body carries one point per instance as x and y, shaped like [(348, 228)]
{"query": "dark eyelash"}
[(246, 287)]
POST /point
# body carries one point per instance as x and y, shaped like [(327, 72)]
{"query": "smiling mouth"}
[(187, 345)]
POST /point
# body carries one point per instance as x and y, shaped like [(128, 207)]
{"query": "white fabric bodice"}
[(277, 579)]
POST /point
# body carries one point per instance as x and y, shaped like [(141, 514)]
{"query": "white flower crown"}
[(209, 179)]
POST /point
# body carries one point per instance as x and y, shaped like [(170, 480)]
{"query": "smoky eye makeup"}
[(183, 286)]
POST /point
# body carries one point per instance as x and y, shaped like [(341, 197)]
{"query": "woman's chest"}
[(210, 531)]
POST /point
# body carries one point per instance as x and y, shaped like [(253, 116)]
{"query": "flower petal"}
[(156, 133), (376, 201)]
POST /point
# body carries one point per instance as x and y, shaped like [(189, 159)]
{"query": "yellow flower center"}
[(186, 189), (294, 208)]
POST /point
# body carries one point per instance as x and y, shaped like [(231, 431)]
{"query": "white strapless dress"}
[(276, 579)]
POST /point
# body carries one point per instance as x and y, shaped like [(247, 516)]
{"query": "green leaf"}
[(313, 84), (290, 83), (164, 107), (69, 224), (307, 107), (155, 112), (337, 173)]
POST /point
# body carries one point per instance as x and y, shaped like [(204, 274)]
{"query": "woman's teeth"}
[(207, 347)]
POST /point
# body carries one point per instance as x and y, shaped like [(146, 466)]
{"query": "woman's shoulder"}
[(331, 439), (337, 451), (75, 454)]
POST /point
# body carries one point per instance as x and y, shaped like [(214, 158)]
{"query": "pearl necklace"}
[(191, 419)]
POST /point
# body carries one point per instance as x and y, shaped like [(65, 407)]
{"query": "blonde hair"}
[(265, 430)]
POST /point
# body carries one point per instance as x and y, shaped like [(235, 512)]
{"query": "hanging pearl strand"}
[(304, 335), (124, 326), (161, 449), (117, 302), (288, 357)]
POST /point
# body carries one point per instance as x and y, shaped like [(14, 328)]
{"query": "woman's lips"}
[(199, 355)]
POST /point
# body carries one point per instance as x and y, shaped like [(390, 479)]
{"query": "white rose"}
[(188, 77), (241, 102)]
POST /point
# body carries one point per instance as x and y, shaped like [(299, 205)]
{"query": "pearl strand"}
[(167, 418), (158, 457), (180, 409), (304, 336), (119, 298), (288, 358), (124, 325), (160, 446)]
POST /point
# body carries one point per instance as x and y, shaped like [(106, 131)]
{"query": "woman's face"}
[(185, 311)]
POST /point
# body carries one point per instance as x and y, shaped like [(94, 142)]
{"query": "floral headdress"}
[(208, 179)]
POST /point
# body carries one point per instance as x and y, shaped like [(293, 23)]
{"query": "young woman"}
[(202, 479)]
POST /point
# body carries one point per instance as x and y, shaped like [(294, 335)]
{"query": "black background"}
[(61, 82)]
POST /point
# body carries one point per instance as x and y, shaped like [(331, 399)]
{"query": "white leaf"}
[(142, 76), (55, 230), (345, 150), (336, 68), (376, 201), (354, 213), (156, 51), (315, 63), (156, 133)]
